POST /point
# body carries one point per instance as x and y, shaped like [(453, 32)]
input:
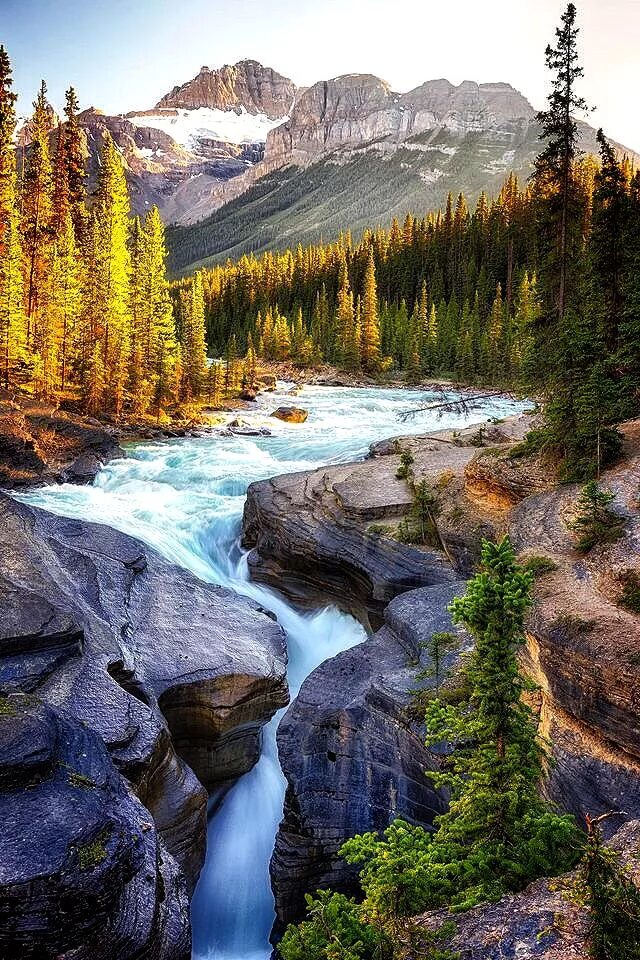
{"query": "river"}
[(185, 498)]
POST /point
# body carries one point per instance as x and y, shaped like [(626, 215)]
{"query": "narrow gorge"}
[(168, 657)]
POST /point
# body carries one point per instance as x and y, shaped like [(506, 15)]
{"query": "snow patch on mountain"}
[(189, 127)]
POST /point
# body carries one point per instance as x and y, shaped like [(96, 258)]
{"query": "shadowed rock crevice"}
[(353, 757)]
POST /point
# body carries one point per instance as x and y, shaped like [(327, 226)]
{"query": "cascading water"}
[(185, 498)]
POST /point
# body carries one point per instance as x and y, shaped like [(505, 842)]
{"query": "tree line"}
[(85, 309), (580, 351)]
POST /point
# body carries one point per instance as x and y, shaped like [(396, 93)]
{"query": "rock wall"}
[(79, 853), (176, 677), (353, 757)]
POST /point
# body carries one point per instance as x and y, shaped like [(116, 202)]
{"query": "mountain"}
[(239, 158), (197, 137), (354, 153), (244, 86)]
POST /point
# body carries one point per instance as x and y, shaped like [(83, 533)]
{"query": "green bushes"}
[(498, 834), (594, 522)]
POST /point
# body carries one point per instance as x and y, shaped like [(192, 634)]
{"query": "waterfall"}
[(185, 498)]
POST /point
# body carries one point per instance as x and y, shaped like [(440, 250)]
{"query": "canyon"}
[(139, 665)]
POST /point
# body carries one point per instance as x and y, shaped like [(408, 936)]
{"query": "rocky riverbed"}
[(130, 687)]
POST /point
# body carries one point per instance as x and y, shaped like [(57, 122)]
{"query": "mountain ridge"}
[(242, 159)]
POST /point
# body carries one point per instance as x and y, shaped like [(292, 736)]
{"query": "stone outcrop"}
[(358, 108), (174, 675), (334, 529), (246, 85), (44, 445), (544, 922), (330, 532), (353, 757), (584, 644), (79, 853)]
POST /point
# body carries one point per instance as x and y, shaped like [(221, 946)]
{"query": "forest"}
[(534, 293), (85, 311)]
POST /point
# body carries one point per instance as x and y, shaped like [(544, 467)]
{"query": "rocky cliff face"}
[(345, 147), (79, 853), (174, 676), (583, 646), (352, 110), (353, 757), (246, 85)]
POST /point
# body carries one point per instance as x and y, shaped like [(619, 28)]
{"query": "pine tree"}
[(159, 343), (38, 237), (12, 321), (75, 167), (66, 293), (565, 334), (193, 341), (231, 367), (370, 322), (497, 834), (249, 373), (111, 308), (613, 900)]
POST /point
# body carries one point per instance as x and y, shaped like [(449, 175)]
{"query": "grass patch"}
[(572, 624), (379, 530), (630, 596), (7, 709), (538, 566), (77, 779)]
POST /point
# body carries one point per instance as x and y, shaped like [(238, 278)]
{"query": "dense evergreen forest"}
[(536, 290), (85, 311)]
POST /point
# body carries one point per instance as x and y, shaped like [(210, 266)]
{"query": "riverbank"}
[(350, 746), (184, 497)]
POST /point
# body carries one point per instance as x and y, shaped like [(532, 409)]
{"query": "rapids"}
[(185, 498)]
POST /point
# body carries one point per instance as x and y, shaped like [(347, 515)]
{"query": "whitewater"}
[(185, 498)]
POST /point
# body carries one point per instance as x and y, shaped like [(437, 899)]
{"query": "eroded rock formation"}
[(583, 650), (245, 85), (353, 757), (80, 854), (174, 675)]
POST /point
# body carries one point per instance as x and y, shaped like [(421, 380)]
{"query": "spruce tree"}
[(613, 900), (112, 307), (37, 232), (12, 320), (370, 321), (497, 834)]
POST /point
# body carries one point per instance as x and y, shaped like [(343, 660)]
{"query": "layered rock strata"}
[(353, 757)]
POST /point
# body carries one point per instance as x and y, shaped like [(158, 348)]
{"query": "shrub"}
[(594, 522), (334, 929), (419, 526), (630, 597), (91, 855), (406, 462), (538, 566)]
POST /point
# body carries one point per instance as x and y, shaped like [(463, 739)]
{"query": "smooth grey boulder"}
[(83, 871)]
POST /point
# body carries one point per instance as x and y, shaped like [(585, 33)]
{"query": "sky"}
[(123, 55)]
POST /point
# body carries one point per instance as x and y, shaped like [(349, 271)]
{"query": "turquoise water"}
[(185, 498)]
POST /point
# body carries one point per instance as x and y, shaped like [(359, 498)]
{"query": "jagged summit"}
[(246, 85)]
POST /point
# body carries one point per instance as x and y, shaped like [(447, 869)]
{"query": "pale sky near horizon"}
[(123, 55)]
